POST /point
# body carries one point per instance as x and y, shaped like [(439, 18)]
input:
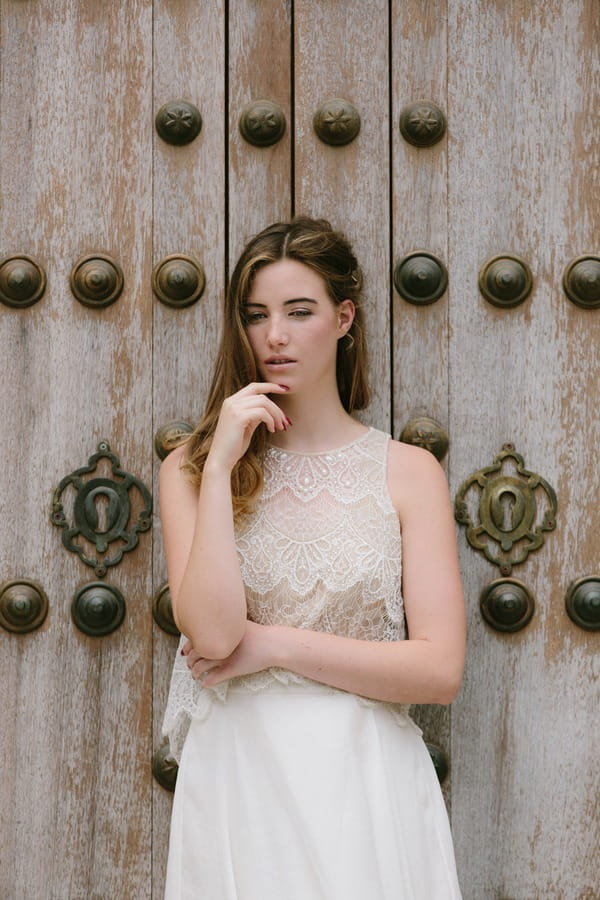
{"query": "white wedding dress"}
[(289, 789)]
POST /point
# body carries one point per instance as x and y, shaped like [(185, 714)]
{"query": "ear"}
[(345, 311)]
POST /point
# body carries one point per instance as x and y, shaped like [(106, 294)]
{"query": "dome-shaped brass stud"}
[(262, 123), (168, 435), (336, 122), (583, 603), (162, 610), (422, 123), (178, 280), (581, 281), (22, 281), (505, 280), (439, 760), (98, 608), (96, 280), (23, 606), (178, 122), (425, 432), (165, 768), (420, 278), (507, 604)]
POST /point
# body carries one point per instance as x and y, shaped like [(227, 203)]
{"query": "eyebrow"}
[(285, 302)]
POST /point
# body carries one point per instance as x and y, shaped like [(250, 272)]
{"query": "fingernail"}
[(289, 421), (284, 387)]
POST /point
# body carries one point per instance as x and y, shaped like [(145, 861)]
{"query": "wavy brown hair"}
[(314, 243)]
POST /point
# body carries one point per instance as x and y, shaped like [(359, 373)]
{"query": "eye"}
[(301, 313), (250, 317)]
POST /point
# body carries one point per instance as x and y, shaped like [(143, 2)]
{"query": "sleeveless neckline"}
[(273, 449)]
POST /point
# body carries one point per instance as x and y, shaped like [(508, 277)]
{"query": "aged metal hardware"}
[(506, 512), (167, 437), (583, 602), (427, 433), (506, 604), (178, 122), (101, 511), (23, 605), (262, 123), (165, 768), (98, 608), (96, 280), (336, 122), (505, 280), (178, 280), (439, 760), (22, 281), (162, 610), (422, 123), (420, 278), (581, 281)]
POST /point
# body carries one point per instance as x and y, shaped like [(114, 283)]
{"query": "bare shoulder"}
[(171, 475), (414, 476)]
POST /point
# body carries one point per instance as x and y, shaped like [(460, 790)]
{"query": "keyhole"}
[(507, 506), (102, 512)]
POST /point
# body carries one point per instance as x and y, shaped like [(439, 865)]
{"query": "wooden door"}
[(84, 173)]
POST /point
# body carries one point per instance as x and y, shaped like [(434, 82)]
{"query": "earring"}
[(350, 343)]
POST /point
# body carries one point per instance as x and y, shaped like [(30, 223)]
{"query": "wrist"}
[(280, 645)]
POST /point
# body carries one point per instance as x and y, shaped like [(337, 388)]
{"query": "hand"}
[(255, 652), (240, 416)]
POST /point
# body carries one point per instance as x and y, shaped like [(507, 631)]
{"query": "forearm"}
[(410, 671)]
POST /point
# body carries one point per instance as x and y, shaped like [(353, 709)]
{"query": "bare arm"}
[(426, 668)]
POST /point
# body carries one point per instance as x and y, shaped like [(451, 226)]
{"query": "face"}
[(294, 327)]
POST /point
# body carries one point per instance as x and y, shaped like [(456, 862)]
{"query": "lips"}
[(279, 361)]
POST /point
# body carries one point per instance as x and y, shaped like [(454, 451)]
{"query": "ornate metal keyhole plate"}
[(506, 509), (102, 511)]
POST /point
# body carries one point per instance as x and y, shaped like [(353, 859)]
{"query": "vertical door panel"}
[(523, 83), (75, 179), (337, 55)]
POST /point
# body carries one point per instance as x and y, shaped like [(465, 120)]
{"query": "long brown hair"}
[(314, 243)]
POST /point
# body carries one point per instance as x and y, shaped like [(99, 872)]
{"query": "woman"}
[(308, 625)]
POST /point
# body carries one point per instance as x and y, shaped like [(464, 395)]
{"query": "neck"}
[(319, 423)]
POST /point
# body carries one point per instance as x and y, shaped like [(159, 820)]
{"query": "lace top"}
[(322, 551)]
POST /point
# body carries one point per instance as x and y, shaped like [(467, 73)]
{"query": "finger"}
[(186, 648), (265, 387)]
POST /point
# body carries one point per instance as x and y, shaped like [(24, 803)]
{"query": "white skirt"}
[(302, 793)]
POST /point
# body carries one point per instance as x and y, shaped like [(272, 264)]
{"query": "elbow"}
[(448, 687), (212, 643)]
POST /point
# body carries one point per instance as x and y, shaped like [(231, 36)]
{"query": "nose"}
[(277, 333)]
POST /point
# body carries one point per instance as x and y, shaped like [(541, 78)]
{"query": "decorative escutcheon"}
[(178, 122), (22, 281), (23, 606), (427, 433), (178, 280), (336, 122), (162, 610), (96, 280), (422, 123), (439, 760), (102, 511), (168, 437), (262, 123), (505, 281), (165, 768), (506, 509), (420, 278), (583, 602), (98, 608), (506, 604), (581, 281)]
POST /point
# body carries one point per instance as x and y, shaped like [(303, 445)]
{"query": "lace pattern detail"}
[(322, 551)]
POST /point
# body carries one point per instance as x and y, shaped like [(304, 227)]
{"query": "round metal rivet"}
[(507, 604), (427, 433), (420, 278), (422, 123), (162, 610), (336, 122), (178, 280), (22, 281), (23, 606), (439, 760), (168, 435), (262, 123), (583, 603), (98, 608), (164, 768), (505, 280), (581, 281), (178, 122), (96, 280)]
